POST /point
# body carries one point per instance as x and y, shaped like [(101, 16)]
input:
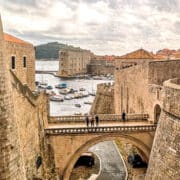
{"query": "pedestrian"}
[(123, 116), (97, 120), (92, 120), (87, 120)]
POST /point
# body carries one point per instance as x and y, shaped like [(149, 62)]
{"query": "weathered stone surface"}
[(165, 155), (73, 62), (10, 159), (104, 100)]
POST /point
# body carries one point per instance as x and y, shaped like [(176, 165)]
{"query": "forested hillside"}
[(50, 50)]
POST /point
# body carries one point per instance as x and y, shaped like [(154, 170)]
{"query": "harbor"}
[(72, 96)]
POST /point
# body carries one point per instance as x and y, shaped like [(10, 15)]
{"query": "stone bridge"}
[(69, 137)]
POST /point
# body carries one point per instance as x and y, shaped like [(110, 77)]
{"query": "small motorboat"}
[(49, 87), (78, 105), (67, 97), (61, 86), (88, 102), (64, 91), (92, 93), (43, 83), (82, 89), (97, 78), (56, 98)]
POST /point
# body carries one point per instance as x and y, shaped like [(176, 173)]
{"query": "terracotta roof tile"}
[(10, 38), (138, 54)]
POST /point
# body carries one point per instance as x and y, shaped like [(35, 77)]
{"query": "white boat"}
[(82, 89), (67, 97), (65, 91), (97, 78), (56, 98), (88, 102)]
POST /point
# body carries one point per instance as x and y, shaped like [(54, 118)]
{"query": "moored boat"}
[(78, 105), (61, 86), (56, 98), (88, 102)]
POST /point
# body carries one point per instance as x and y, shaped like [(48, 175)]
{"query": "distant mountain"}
[(51, 50)]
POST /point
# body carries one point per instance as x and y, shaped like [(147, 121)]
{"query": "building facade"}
[(134, 58), (138, 87), (73, 62), (20, 56), (23, 114), (101, 65)]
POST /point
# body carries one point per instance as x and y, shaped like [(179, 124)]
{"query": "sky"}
[(102, 26)]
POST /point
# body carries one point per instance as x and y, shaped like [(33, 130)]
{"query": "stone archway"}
[(157, 112), (84, 147)]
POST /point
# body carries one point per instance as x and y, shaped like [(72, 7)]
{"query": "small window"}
[(13, 62), (24, 61)]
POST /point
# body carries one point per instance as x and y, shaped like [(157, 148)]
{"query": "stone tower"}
[(10, 159)]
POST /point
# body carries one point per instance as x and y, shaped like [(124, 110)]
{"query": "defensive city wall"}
[(104, 100), (23, 114), (95, 69), (26, 153), (138, 89), (165, 153)]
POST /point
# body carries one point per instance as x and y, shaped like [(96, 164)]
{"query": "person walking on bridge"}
[(123, 116), (87, 120), (97, 120), (92, 120)]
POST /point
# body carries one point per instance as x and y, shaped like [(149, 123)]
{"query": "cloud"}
[(104, 26)]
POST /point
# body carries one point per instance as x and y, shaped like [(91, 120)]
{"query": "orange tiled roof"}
[(10, 38), (138, 54)]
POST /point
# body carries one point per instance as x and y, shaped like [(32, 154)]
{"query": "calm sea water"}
[(68, 106)]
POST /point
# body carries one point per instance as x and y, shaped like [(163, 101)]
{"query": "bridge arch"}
[(144, 149)]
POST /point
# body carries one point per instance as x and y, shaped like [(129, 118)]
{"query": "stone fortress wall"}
[(104, 100), (23, 116), (165, 154), (73, 62), (10, 157), (94, 69), (21, 50), (138, 89)]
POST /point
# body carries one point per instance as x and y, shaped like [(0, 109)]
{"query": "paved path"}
[(112, 167)]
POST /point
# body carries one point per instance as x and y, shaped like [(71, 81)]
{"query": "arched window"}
[(157, 112)]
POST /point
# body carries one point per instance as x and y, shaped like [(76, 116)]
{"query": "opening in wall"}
[(13, 62), (24, 61)]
